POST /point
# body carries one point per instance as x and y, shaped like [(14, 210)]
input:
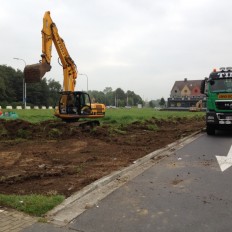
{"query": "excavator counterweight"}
[(34, 73)]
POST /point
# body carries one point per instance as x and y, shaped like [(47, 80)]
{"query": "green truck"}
[(218, 90)]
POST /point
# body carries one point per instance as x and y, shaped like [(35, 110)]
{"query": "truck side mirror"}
[(212, 82), (203, 87)]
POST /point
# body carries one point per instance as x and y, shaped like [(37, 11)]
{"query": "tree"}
[(120, 97), (107, 90), (54, 89), (2, 89), (152, 103), (10, 84), (97, 96), (162, 102)]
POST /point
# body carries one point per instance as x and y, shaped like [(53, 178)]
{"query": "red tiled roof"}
[(190, 84)]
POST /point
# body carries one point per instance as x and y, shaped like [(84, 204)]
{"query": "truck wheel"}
[(210, 130)]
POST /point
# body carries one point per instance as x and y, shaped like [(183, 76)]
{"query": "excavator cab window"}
[(71, 106), (63, 104), (85, 104), (75, 103)]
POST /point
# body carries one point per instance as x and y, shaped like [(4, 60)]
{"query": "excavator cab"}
[(75, 105)]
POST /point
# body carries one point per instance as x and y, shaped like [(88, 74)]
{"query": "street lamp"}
[(24, 85), (83, 74)]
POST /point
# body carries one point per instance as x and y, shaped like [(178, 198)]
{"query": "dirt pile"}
[(55, 157)]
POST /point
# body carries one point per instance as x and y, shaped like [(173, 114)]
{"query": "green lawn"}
[(120, 115), (125, 116)]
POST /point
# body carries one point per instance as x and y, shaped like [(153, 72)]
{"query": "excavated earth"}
[(58, 158)]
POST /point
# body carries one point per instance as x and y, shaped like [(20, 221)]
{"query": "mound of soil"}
[(59, 158)]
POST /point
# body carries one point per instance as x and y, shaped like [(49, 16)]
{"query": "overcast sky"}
[(138, 45)]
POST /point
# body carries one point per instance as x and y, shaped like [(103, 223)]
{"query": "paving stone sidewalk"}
[(14, 221)]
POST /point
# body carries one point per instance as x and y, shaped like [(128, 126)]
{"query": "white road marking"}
[(225, 161)]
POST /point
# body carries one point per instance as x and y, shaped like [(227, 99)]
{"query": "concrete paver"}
[(14, 221), (41, 227)]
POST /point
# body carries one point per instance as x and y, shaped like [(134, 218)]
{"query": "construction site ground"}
[(61, 158)]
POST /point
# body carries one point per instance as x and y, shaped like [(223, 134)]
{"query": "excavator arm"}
[(34, 73)]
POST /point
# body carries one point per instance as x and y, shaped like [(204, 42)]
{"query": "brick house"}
[(185, 94)]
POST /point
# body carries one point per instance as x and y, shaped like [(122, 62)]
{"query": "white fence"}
[(27, 107)]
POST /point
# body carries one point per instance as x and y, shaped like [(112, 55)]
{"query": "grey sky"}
[(138, 45)]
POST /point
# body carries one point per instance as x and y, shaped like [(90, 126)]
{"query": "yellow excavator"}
[(73, 105), (197, 107)]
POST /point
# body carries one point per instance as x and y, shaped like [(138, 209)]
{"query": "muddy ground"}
[(58, 158)]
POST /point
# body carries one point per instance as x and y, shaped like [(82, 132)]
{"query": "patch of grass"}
[(125, 116), (21, 133), (54, 133), (78, 169), (3, 131), (36, 205), (118, 131), (152, 127), (35, 116), (2, 178), (43, 220), (15, 141), (125, 119), (109, 120)]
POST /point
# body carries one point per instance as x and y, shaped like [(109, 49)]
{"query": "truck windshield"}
[(221, 85)]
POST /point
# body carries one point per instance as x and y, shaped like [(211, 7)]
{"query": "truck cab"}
[(218, 90)]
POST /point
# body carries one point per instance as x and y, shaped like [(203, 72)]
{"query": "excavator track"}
[(86, 124)]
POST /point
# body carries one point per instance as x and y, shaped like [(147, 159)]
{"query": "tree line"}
[(117, 98), (46, 92)]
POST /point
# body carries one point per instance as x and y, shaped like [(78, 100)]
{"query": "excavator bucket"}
[(34, 73)]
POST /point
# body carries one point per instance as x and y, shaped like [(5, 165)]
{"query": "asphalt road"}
[(186, 191)]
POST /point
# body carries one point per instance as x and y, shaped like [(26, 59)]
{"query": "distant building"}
[(185, 94)]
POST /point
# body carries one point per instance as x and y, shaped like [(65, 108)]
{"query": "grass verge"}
[(36, 205)]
